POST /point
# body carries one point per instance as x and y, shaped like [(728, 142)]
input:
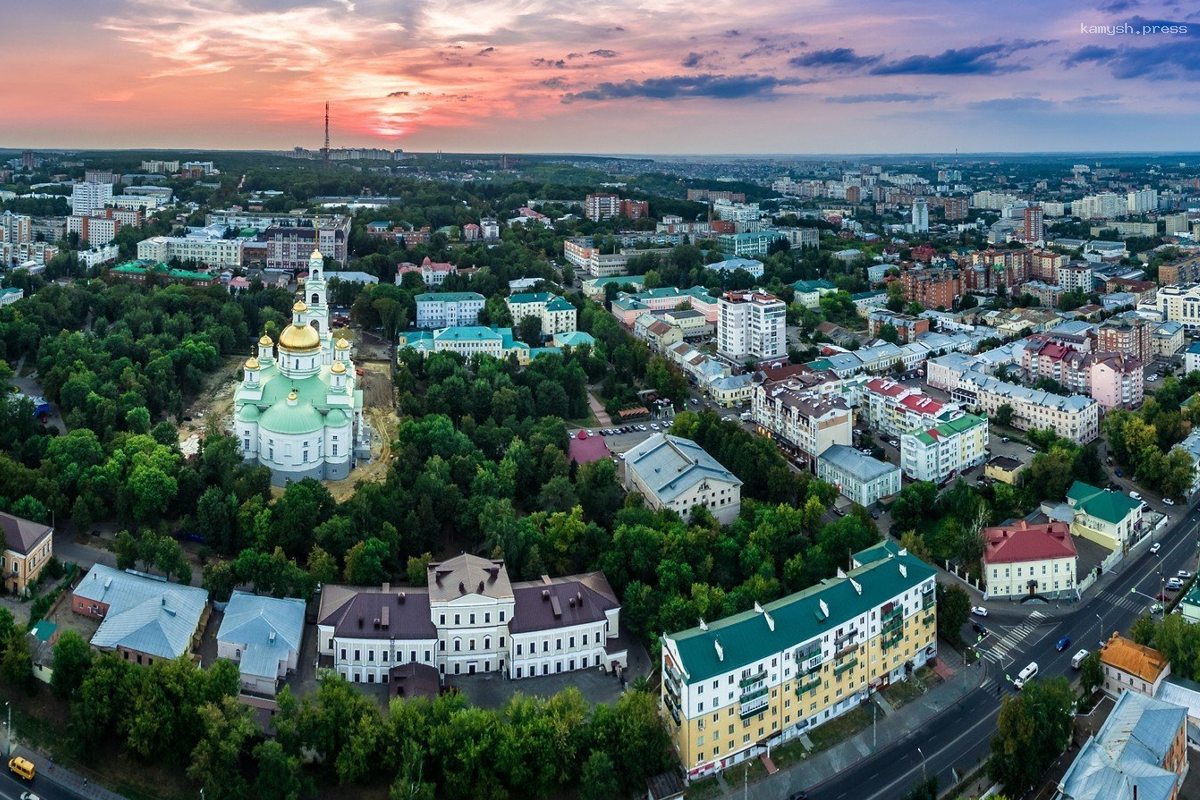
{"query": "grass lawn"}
[(787, 754), (589, 421), (736, 776), (902, 692), (704, 790), (838, 730)]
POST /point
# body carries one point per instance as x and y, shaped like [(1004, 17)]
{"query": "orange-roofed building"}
[(1023, 559), (1132, 667)]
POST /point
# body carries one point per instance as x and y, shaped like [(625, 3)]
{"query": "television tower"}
[(325, 149)]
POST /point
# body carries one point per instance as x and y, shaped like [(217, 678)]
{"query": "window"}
[(358, 655), (487, 617), (335, 449), (456, 619), (343, 654), (457, 645), (518, 649), (502, 641), (442, 621), (472, 619)]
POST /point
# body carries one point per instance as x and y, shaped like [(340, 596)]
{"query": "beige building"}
[(28, 546), (798, 417), (1132, 667), (1023, 559), (1004, 469), (734, 687), (676, 473), (656, 332), (1110, 519)]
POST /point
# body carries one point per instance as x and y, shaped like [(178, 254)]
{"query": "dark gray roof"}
[(21, 535), (415, 680), (353, 612), (468, 574), (561, 602)]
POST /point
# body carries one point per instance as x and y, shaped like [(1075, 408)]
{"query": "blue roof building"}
[(262, 636), (676, 473)]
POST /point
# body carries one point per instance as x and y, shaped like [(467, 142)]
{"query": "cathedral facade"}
[(298, 411)]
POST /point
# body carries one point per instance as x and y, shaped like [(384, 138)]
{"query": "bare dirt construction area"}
[(214, 403), (379, 410)]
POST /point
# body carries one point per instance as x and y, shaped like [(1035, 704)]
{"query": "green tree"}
[(418, 568), (1004, 415), (888, 333), (364, 563), (72, 660), (1091, 673), (953, 611), (226, 729), (1033, 728), (598, 780), (16, 667), (279, 776), (409, 783)]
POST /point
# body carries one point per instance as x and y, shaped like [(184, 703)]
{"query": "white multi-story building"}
[(16, 228), (751, 325), (946, 450), (98, 255), (795, 415), (1105, 205), (599, 207), (201, 246), (676, 473), (448, 309), (159, 166), (556, 313), (94, 230), (489, 229), (1074, 277), (1179, 304), (1141, 201), (88, 198), (471, 619), (920, 215), (858, 476), (1076, 417)]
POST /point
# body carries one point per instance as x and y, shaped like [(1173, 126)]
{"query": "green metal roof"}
[(559, 304), (532, 297), (746, 637), (248, 413), (812, 286), (950, 428), (1112, 507), (285, 419), (140, 268)]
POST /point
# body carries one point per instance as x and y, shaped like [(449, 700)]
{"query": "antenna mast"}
[(325, 149)]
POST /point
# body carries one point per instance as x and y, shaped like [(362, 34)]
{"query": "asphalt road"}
[(11, 787), (959, 737)]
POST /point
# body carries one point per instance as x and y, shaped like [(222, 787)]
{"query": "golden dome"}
[(338, 368), (292, 396), (252, 363), (342, 344), (300, 337), (299, 308), (265, 341)]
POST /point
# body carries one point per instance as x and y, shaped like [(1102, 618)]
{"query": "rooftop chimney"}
[(387, 587)]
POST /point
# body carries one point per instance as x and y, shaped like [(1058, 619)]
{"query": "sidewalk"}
[(80, 785), (888, 728)]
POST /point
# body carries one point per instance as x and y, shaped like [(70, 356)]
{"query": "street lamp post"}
[(8, 731), (923, 776)]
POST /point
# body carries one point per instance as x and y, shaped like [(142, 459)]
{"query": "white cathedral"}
[(298, 413)]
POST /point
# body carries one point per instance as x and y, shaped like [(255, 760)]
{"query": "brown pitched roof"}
[(1133, 658), (561, 602), (363, 613), (22, 535)]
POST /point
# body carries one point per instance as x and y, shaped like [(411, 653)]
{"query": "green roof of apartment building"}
[(139, 268), (532, 297), (812, 286), (950, 428), (747, 637), (1112, 507), (447, 297)]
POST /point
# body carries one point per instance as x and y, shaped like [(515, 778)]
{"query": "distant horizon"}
[(631, 155), (616, 77)]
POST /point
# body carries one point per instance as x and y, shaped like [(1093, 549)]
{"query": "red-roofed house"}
[(1023, 559), (584, 449)]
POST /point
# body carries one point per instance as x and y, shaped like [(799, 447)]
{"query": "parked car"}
[(1004, 439), (653, 426), (1183, 574), (1063, 644), (589, 433), (1118, 473), (1154, 548), (893, 443), (695, 402), (1156, 608), (874, 515), (1174, 584), (1031, 449), (1135, 496), (1168, 501), (979, 611)]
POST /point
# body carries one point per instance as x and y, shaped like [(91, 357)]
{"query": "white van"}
[(1077, 659), (747, 416), (1026, 675)]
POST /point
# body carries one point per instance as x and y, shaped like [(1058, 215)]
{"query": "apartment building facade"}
[(28, 546), (1075, 417), (556, 313), (751, 325), (736, 686), (448, 309), (792, 413), (948, 449)]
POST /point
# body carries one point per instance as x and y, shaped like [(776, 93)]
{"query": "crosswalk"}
[(1124, 601), (999, 650)]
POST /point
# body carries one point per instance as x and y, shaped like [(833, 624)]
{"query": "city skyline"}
[(538, 77)]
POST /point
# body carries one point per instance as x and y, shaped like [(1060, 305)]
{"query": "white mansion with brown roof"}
[(469, 619)]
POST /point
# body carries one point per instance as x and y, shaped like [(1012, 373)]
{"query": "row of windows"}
[(487, 618), (396, 656)]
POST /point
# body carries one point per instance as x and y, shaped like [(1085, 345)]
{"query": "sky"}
[(603, 76)]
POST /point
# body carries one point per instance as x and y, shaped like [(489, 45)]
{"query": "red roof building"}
[(585, 449), (1024, 560)]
